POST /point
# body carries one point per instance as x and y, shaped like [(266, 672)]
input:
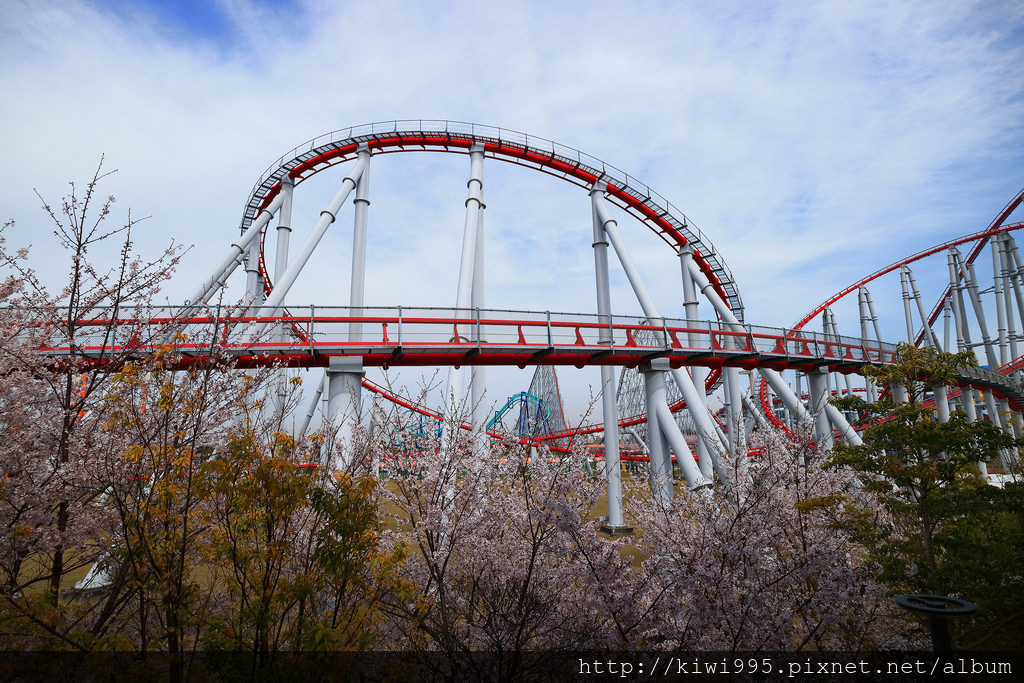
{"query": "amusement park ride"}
[(670, 364)]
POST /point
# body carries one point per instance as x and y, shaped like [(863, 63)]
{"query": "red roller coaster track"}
[(977, 239), (669, 224)]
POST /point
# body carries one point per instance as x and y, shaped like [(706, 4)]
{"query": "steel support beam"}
[(996, 246), (940, 394), (660, 461), (929, 333), (957, 296), (774, 379), (737, 430), (819, 399), (478, 380), (683, 381), (831, 329), (609, 407), (979, 312), (870, 391), (344, 388), (666, 432), (1012, 272), (456, 392), (320, 386), (327, 216), (361, 207), (705, 446), (905, 288), (283, 232), (253, 281), (761, 420), (227, 266)]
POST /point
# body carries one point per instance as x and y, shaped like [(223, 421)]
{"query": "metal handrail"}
[(413, 322)]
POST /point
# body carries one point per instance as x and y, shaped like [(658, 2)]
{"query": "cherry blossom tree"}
[(760, 564), (53, 402), (502, 549)]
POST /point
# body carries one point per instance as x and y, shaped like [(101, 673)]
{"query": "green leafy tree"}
[(943, 529), (162, 426), (295, 547)]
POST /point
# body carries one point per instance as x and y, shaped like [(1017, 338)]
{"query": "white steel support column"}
[(253, 281), (612, 461), (958, 318), (905, 287), (979, 312), (1016, 272), (1012, 270), (684, 456), (940, 393), (660, 463), (344, 386), (668, 431), (865, 334), (284, 229), (967, 400), (832, 329), (478, 380), (956, 294), (929, 334), (320, 386), (456, 393), (1011, 291), (990, 407), (1010, 425), (361, 206), (760, 419), (640, 442), (345, 376), (698, 373), (946, 316), (230, 262), (701, 417), (997, 292), (787, 416), (819, 400), (871, 311), (737, 431), (968, 403), (327, 216), (609, 407)]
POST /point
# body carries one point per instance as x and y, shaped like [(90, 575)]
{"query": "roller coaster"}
[(670, 366)]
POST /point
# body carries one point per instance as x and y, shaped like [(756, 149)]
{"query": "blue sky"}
[(813, 142), (188, 19)]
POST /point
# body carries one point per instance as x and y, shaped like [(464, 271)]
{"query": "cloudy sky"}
[(813, 142)]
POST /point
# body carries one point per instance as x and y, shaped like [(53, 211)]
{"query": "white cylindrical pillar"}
[(456, 393), (344, 393), (609, 407), (661, 484), (361, 207), (478, 376)]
